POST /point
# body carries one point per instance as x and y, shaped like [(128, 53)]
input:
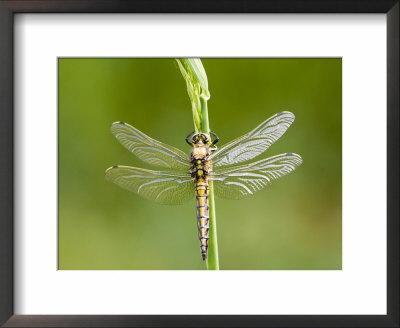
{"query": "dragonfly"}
[(189, 177)]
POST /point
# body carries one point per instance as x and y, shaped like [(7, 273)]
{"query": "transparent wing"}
[(168, 188), (242, 181), (149, 150), (255, 142)]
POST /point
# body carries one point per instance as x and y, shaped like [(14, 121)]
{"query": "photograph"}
[(199, 163)]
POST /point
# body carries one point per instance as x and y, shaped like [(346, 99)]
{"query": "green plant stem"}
[(212, 257), (197, 87)]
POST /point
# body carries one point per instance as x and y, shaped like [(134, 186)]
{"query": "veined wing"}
[(242, 181), (255, 142), (149, 150), (169, 188)]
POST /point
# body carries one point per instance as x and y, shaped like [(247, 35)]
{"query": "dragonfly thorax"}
[(200, 160), (200, 151)]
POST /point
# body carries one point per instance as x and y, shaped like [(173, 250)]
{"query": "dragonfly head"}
[(201, 139)]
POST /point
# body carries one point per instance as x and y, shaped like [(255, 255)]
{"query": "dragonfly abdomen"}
[(203, 217), (200, 170)]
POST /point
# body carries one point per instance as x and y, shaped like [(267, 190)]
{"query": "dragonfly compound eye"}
[(201, 138), (206, 139)]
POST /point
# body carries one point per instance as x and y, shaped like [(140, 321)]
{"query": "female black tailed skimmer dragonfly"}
[(189, 176)]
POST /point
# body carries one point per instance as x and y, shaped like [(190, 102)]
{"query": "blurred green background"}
[(295, 224)]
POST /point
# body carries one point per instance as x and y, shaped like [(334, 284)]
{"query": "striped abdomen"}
[(203, 217), (200, 170)]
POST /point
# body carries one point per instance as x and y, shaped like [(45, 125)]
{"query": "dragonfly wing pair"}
[(230, 181)]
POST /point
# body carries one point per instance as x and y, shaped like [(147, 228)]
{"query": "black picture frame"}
[(7, 11)]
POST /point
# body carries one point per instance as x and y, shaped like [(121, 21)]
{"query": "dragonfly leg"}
[(216, 138), (187, 138), (213, 146)]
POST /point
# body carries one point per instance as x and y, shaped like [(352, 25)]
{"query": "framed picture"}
[(316, 248)]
